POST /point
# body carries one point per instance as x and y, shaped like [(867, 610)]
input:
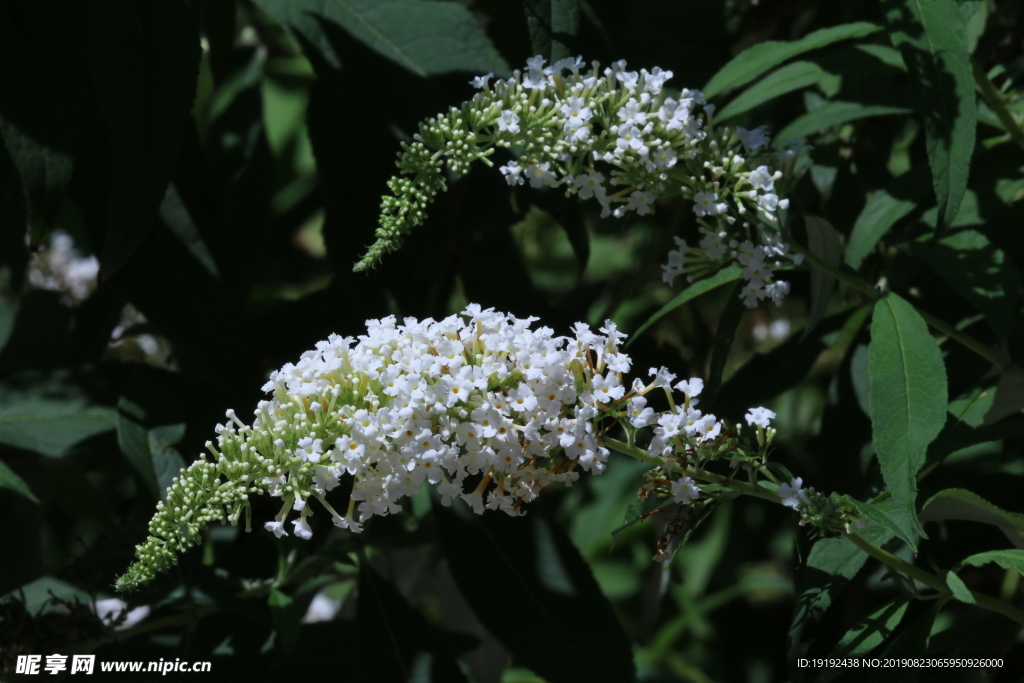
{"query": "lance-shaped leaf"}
[(885, 208), (962, 504), (824, 242), (1007, 559), (699, 287), (423, 37), (930, 35), (776, 84), (728, 323), (12, 482), (980, 272), (761, 58), (868, 634), (908, 396), (834, 114), (831, 565), (144, 59), (50, 412)]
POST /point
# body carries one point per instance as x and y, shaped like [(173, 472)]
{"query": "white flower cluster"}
[(435, 402), (612, 135), (480, 396), (61, 268), (480, 405)]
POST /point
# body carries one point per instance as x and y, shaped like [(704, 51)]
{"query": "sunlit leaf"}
[(757, 60), (931, 37), (699, 287), (908, 396), (423, 37), (784, 80)]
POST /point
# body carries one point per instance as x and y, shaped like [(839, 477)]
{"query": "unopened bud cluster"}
[(615, 136), (829, 514)]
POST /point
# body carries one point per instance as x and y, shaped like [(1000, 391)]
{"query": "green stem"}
[(933, 581), (992, 356), (696, 472), (883, 556), (994, 99), (836, 272)]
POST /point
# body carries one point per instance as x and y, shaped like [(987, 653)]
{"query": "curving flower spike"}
[(592, 132), (422, 402)]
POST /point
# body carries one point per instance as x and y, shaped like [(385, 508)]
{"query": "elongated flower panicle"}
[(615, 136), (481, 405), (421, 402)]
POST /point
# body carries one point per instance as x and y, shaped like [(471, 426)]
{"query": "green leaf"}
[(8, 314), (39, 592), (980, 272), (964, 505), (148, 447), (868, 634), (959, 589), (884, 209), (286, 617), (11, 481), (722, 277), (893, 518), (930, 35), (541, 572), (824, 242), (49, 412), (972, 408), (784, 80), (132, 440), (1007, 559), (40, 97), (553, 27), (728, 323), (908, 396), (832, 115), (423, 37), (831, 565), (175, 215), (911, 641), (167, 461), (974, 14), (756, 60), (144, 59)]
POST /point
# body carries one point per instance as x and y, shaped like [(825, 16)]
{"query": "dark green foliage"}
[(224, 161)]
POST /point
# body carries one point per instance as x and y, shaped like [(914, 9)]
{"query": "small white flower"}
[(276, 527), (792, 494), (759, 416), (508, 122), (685, 491)]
